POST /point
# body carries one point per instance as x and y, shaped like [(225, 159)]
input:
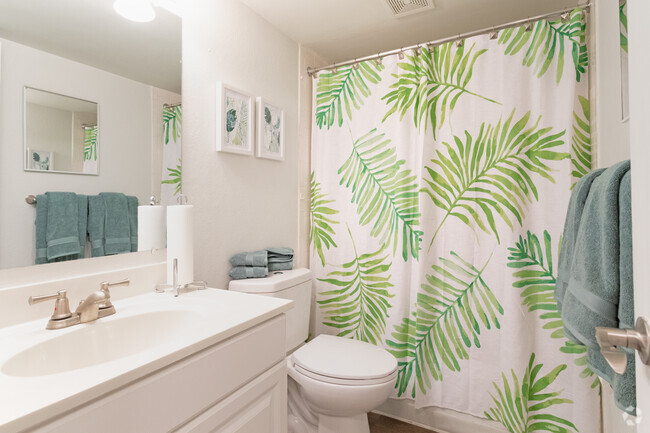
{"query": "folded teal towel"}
[(132, 204), (41, 229), (281, 266), (62, 233), (241, 272), (117, 230), (96, 216), (280, 255), (596, 281), (255, 258)]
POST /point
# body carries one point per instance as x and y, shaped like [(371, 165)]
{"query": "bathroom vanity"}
[(209, 360)]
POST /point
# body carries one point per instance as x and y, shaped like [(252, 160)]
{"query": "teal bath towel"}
[(596, 290), (255, 258), (132, 204), (41, 229), (241, 272), (82, 202), (62, 233), (96, 216), (281, 266), (117, 229)]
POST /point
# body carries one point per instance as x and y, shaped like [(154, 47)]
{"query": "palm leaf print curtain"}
[(438, 194), (171, 171), (90, 149)]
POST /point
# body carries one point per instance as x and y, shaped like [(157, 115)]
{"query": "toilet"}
[(333, 381)]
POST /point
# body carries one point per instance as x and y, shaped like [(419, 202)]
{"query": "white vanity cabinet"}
[(238, 385)]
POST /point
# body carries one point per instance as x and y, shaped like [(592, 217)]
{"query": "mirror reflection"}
[(83, 91), (60, 133)]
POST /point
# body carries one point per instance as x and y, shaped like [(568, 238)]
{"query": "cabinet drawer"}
[(259, 407), (168, 398)]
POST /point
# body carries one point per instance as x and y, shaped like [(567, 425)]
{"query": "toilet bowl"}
[(333, 381)]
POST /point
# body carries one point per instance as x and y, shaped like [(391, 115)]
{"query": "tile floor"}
[(382, 424)]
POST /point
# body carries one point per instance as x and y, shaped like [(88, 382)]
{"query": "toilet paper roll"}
[(151, 228), (180, 243)]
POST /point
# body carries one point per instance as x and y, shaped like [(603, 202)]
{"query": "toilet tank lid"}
[(274, 282)]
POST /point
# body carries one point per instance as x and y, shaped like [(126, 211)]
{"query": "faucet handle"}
[(106, 306), (61, 304), (105, 284)]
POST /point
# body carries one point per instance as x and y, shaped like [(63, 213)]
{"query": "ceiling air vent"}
[(401, 8)]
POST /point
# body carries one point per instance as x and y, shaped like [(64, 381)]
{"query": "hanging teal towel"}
[(62, 233), (132, 203), (117, 229), (96, 215), (41, 229), (82, 202), (596, 289)]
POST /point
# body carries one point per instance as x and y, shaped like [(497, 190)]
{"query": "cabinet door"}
[(258, 407)]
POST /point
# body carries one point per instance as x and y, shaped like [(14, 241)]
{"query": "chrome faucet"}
[(95, 306)]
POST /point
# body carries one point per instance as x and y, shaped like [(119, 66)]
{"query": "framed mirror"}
[(79, 81), (61, 133)]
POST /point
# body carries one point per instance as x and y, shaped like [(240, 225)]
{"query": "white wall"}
[(242, 203), (124, 139)]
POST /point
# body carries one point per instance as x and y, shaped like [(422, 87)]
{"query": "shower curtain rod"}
[(586, 6), (171, 105)]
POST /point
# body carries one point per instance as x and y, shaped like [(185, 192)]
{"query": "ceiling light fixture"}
[(139, 11)]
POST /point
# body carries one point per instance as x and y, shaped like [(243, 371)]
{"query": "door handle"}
[(611, 340)]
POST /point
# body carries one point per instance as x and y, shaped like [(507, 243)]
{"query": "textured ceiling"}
[(90, 32), (342, 30)]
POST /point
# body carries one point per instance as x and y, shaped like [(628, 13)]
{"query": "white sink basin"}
[(100, 342)]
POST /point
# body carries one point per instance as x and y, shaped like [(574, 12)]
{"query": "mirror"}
[(67, 67), (60, 133)]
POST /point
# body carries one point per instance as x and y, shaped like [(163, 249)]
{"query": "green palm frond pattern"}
[(175, 178), (547, 42), (172, 119), (386, 195), (344, 89), (581, 141), (622, 15), (358, 306), (534, 276), (480, 180), (90, 143), (432, 83), (523, 405), (452, 306), (321, 232)]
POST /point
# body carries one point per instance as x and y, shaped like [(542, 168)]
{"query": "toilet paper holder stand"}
[(177, 288)]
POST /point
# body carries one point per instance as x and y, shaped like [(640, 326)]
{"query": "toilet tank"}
[(294, 285)]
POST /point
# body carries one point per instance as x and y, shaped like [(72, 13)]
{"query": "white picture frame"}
[(40, 160), (235, 120), (270, 130)]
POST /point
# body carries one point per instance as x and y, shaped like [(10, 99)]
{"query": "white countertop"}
[(208, 317)]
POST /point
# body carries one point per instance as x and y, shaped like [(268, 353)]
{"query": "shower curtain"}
[(440, 183), (171, 171)]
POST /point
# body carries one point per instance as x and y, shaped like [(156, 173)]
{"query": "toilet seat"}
[(343, 361)]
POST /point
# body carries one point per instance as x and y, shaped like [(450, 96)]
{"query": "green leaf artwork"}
[(172, 119), (231, 119), (344, 88), (90, 143), (480, 180), (174, 175), (321, 232), (432, 83), (547, 42), (581, 141), (622, 15), (385, 194), (452, 306), (358, 306), (533, 264), (523, 405)]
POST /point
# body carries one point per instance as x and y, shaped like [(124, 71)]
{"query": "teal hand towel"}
[(571, 225), (255, 258), (62, 233), (41, 229), (96, 216), (280, 254), (281, 266), (82, 203), (117, 230), (241, 272), (132, 204)]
